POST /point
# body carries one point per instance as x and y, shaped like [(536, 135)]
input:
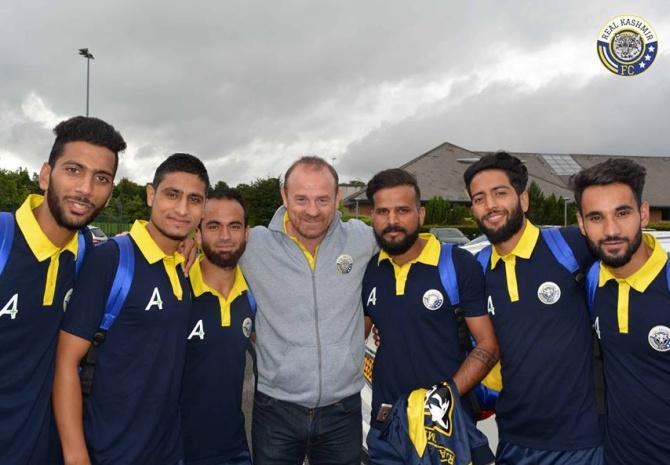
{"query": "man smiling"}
[(132, 414), (630, 302), (305, 271), (38, 275)]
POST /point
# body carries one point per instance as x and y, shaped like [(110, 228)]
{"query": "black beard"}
[(223, 259), (400, 247), (618, 261), (58, 213), (506, 231)]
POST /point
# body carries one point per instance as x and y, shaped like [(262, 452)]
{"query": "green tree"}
[(128, 203), (436, 210), (262, 198), (14, 187), (220, 186), (549, 210)]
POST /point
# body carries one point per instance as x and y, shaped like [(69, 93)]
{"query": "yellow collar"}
[(643, 277), (38, 242), (200, 286), (311, 259), (524, 248), (430, 255), (152, 253)]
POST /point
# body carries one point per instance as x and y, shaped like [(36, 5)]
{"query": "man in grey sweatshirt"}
[(305, 271)]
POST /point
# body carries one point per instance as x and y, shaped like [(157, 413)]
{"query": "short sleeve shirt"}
[(132, 415), (546, 356), (211, 399), (418, 327), (28, 334), (636, 359)]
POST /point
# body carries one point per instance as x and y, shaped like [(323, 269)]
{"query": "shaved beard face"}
[(227, 259), (58, 209), (513, 225), (398, 247), (616, 261)]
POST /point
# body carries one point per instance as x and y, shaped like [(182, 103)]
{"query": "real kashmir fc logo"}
[(627, 45)]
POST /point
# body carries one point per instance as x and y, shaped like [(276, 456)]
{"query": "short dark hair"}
[(86, 129), (182, 163), (230, 194), (392, 177), (514, 168), (614, 170), (314, 163)]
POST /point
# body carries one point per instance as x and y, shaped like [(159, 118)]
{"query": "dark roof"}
[(439, 172)]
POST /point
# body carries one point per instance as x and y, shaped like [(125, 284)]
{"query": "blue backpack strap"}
[(81, 252), (117, 296), (560, 249), (252, 302), (122, 281), (667, 271), (6, 237), (592, 284), (484, 256), (447, 271)]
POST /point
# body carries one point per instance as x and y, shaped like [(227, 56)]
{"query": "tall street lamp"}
[(89, 56)]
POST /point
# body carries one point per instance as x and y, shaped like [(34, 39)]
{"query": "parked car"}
[(99, 236), (476, 244), (450, 235)]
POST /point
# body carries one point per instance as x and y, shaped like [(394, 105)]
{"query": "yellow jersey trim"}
[(40, 245), (153, 254), (200, 287), (523, 249), (311, 259), (640, 280), (430, 255)]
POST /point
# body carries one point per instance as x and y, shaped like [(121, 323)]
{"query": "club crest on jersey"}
[(246, 327), (627, 45), (344, 263), (659, 338), (548, 293), (432, 299)]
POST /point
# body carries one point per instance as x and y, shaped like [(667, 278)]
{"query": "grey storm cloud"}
[(250, 85)]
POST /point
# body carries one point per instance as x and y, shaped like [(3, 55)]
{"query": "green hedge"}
[(112, 229)]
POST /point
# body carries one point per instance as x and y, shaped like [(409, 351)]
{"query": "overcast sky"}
[(248, 86)]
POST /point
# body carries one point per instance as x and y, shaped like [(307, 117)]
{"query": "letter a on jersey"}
[(198, 330), (372, 298), (11, 308), (489, 306), (155, 300)]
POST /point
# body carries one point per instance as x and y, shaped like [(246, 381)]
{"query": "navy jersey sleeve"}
[(471, 286), (365, 291), (87, 305), (577, 242)]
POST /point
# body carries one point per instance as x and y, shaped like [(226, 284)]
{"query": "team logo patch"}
[(246, 327), (548, 293), (66, 299), (627, 45), (659, 338), (344, 263), (432, 299)]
